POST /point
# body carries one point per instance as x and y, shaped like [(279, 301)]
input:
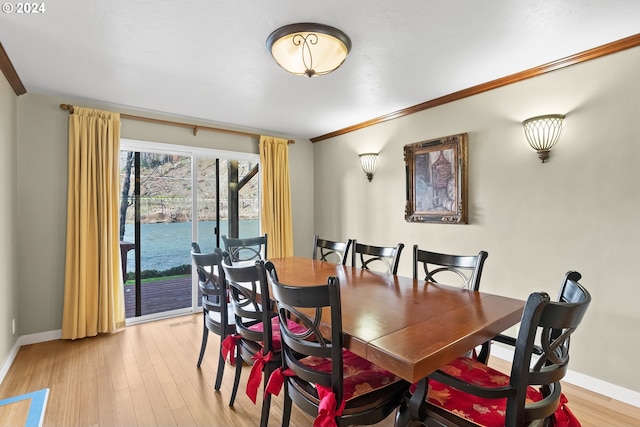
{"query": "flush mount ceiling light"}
[(309, 49)]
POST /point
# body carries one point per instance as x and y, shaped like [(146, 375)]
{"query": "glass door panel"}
[(162, 208), (208, 195)]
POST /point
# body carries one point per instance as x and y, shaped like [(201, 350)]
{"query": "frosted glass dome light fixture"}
[(309, 49), (542, 133), (368, 162)]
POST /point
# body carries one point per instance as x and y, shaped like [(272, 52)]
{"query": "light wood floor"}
[(146, 376)]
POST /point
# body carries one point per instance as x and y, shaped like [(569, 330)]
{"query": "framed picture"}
[(437, 180)]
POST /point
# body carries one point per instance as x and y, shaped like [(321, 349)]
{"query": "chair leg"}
[(205, 337), (485, 352), (236, 380), (264, 418), (286, 407), (221, 363), (266, 401), (403, 418)]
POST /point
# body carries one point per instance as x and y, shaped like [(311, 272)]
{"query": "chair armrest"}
[(486, 392)]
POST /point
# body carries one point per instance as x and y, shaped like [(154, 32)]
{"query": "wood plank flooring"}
[(146, 375)]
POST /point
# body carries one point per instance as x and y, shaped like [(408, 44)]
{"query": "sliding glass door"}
[(172, 196)]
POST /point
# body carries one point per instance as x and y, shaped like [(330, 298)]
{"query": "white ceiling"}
[(206, 59)]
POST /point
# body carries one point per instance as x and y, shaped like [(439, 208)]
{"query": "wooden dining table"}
[(409, 327)]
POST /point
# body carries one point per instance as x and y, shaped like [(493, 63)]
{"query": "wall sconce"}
[(542, 133), (309, 49), (368, 162)]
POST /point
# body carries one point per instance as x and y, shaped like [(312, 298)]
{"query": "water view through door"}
[(166, 200)]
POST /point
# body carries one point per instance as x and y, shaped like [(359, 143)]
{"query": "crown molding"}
[(10, 73), (597, 52)]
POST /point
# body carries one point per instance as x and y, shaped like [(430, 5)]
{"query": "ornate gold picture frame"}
[(437, 180)]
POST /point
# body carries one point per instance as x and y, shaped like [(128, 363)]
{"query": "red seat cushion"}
[(483, 411), (360, 375), (275, 331), (255, 376)]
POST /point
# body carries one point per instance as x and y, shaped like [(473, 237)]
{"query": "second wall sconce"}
[(542, 133), (368, 162)]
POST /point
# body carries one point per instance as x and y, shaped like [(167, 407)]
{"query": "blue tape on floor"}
[(36, 408)]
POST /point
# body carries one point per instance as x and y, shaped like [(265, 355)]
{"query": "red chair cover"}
[(275, 331), (483, 411), (563, 417), (360, 377), (255, 375)]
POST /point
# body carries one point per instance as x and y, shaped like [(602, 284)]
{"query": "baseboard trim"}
[(9, 360), (604, 388), (40, 337)]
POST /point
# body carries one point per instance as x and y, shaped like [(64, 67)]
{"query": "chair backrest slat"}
[(456, 270), (372, 257), (246, 248), (330, 251)]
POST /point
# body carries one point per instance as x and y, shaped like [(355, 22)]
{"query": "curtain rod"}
[(195, 128)]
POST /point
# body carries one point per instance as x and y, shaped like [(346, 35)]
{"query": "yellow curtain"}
[(93, 294), (276, 196)]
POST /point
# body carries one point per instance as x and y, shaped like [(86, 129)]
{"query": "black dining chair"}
[(377, 258), (463, 271), (215, 309), (467, 392), (246, 248), (330, 251), (257, 339), (321, 377), (570, 292)]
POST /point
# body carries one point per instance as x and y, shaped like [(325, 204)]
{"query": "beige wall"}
[(8, 193), (578, 211), (42, 195)]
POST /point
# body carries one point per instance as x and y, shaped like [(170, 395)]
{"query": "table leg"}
[(413, 409)]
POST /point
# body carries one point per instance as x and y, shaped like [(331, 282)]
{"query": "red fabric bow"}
[(255, 376), (327, 411), (229, 346), (274, 385), (563, 417)]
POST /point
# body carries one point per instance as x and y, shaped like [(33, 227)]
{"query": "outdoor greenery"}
[(181, 270)]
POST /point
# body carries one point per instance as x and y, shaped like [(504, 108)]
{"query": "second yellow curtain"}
[(93, 295), (275, 208)]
